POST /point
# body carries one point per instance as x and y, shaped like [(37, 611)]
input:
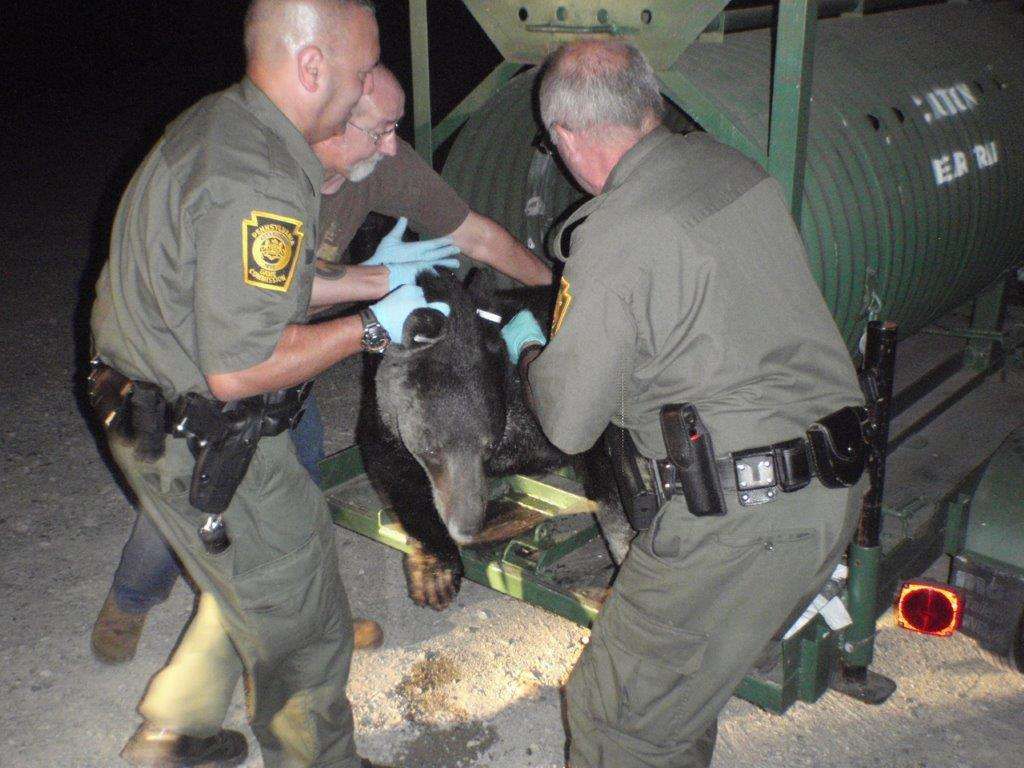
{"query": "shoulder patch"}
[(270, 244), (561, 306)]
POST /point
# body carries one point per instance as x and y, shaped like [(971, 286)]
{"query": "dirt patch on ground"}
[(456, 747), (427, 690)]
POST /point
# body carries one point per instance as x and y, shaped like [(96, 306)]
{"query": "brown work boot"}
[(367, 634), (154, 747), (115, 635)]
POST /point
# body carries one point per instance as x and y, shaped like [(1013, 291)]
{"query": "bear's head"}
[(442, 391)]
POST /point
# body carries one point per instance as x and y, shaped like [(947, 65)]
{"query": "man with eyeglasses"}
[(370, 169)]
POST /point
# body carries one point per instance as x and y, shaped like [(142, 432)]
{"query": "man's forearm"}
[(486, 241), (336, 283), (303, 352)]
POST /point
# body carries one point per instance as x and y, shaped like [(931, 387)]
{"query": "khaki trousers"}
[(271, 606), (695, 603)]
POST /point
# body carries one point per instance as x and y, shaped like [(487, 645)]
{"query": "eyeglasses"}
[(544, 144), (377, 136)]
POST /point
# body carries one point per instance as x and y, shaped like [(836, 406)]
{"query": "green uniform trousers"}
[(271, 605), (694, 605)]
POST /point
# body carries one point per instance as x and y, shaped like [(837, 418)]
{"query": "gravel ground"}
[(477, 685)]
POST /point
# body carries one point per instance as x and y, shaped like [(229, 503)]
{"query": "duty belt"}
[(833, 451)]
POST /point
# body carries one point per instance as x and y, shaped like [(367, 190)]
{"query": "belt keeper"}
[(792, 464)]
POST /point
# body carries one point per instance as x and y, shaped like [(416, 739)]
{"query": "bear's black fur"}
[(442, 412)]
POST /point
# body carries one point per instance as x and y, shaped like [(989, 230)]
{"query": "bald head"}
[(312, 58), (276, 30), (599, 83), (385, 103)]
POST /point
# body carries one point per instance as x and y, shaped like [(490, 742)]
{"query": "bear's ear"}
[(423, 327), (479, 283)]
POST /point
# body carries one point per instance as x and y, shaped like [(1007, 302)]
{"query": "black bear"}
[(442, 412)]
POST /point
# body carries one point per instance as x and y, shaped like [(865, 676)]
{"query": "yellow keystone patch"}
[(561, 306), (270, 244)]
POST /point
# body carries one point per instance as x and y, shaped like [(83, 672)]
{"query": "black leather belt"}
[(759, 475)]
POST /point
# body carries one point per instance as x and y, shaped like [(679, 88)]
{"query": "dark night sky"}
[(145, 61), (87, 89)]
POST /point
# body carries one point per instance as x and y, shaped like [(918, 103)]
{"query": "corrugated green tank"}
[(915, 156)]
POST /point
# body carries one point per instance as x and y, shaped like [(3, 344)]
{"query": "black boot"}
[(154, 747)]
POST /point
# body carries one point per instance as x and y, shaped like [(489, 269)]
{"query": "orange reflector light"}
[(929, 608)]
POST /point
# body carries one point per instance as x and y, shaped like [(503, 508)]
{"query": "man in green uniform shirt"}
[(204, 300), (686, 282)]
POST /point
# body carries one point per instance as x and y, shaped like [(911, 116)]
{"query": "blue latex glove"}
[(400, 274), (393, 310), (521, 330), (392, 250)]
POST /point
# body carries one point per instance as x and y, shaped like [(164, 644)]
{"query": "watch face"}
[(375, 338)]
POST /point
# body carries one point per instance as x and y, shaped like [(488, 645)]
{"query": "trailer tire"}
[(1011, 656), (994, 610)]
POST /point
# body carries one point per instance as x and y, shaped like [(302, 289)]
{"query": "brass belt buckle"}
[(757, 480)]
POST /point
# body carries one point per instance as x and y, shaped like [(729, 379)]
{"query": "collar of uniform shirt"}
[(266, 111), (635, 156)]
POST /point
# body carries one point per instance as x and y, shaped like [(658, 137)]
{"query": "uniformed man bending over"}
[(202, 305), (687, 283)]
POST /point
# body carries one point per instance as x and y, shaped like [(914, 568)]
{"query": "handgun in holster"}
[(691, 458), (223, 438)]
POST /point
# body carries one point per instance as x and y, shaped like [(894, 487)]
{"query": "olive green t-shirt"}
[(687, 281), (212, 247), (401, 185)]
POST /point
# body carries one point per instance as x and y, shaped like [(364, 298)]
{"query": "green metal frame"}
[(523, 568), (673, 26)]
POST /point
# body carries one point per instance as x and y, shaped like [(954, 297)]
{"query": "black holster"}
[(223, 437), (691, 455), (639, 502), (838, 448)]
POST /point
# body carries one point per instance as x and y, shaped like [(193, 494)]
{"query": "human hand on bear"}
[(393, 310), (522, 330), (393, 250), (400, 274)]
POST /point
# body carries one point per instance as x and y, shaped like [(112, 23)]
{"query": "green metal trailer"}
[(896, 133)]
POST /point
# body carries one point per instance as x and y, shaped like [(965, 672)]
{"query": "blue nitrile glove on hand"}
[(393, 310), (393, 250), (400, 274), (521, 330)]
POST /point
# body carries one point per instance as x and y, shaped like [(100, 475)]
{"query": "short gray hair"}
[(598, 83)]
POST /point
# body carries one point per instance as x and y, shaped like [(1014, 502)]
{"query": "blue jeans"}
[(148, 568)]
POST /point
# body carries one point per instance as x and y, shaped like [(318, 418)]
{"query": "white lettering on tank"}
[(956, 164), (986, 155), (943, 170), (959, 164), (940, 103)]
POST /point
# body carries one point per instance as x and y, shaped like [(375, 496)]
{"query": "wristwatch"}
[(375, 338)]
